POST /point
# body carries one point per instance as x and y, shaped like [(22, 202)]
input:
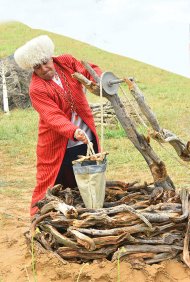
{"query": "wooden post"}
[(156, 165), (160, 134), (5, 96)]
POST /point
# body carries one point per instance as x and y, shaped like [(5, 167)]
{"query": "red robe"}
[(55, 127)]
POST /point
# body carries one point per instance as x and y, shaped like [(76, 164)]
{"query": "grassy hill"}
[(166, 93)]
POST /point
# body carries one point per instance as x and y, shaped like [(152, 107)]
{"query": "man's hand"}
[(90, 85), (80, 136)]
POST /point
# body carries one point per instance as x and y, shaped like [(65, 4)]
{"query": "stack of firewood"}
[(109, 116), (138, 223)]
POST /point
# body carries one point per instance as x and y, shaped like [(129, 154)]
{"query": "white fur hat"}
[(34, 52)]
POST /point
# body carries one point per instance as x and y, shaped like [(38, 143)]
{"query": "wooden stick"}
[(186, 257)]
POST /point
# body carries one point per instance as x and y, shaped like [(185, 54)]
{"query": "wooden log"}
[(134, 197), (91, 71), (47, 240), (131, 257), (186, 257), (157, 167), (83, 240), (140, 205), (91, 86), (61, 239), (59, 220), (104, 220), (67, 210), (166, 238), (184, 195), (174, 207), (68, 253), (159, 216), (138, 228), (167, 227), (125, 200), (50, 196), (125, 208), (120, 184), (113, 240), (129, 249), (55, 189), (161, 257), (146, 188), (159, 134), (37, 221), (68, 195), (115, 191)]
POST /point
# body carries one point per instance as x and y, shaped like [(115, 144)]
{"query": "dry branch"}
[(160, 134), (119, 231)]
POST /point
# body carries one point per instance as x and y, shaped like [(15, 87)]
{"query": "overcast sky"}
[(152, 31)]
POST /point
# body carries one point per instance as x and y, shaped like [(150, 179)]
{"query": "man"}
[(65, 117)]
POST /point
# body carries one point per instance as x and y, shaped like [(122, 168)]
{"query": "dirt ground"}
[(16, 259)]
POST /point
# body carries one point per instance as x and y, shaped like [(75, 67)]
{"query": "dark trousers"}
[(66, 175)]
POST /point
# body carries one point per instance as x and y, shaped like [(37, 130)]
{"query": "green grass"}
[(117, 132), (165, 92), (18, 133), (18, 139)]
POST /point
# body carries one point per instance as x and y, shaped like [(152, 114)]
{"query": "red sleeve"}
[(51, 114), (77, 66)]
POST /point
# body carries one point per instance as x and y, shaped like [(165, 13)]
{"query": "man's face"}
[(45, 70)]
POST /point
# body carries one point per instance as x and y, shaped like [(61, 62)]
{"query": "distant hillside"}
[(167, 93)]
